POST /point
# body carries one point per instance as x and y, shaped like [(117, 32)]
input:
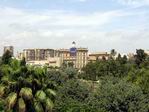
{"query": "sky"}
[(99, 25)]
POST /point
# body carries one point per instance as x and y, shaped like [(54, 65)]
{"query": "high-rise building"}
[(81, 57), (29, 54), (9, 48), (38, 54)]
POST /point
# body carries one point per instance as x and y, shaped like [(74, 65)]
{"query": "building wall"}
[(147, 52), (79, 61), (81, 58), (38, 54), (51, 61), (98, 56), (56, 57), (29, 54), (64, 55), (54, 61), (38, 63)]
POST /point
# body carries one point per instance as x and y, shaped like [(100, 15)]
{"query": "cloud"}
[(15, 20), (58, 28), (134, 2), (82, 0), (77, 0)]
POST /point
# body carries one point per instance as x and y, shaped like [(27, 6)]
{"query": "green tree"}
[(23, 62), (28, 91), (113, 53), (71, 72), (71, 97), (90, 71), (141, 78), (70, 64), (124, 59), (119, 58), (140, 57), (6, 58), (119, 96)]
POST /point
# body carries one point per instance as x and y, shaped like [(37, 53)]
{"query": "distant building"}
[(19, 55), (82, 57), (29, 54), (147, 52), (79, 60), (52, 61), (130, 56), (38, 54), (40, 57), (37, 63), (64, 56), (76, 56), (9, 48), (98, 56)]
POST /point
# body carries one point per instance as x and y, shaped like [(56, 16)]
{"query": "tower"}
[(73, 50)]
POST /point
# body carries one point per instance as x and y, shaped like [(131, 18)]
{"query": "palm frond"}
[(26, 93), (11, 100), (2, 102), (40, 96), (2, 90), (5, 79), (38, 106), (50, 92), (21, 105), (49, 105)]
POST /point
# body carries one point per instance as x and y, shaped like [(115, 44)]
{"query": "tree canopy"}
[(113, 85)]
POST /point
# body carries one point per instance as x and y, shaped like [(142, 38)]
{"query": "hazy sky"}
[(99, 25)]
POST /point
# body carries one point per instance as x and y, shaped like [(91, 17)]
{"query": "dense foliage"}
[(24, 88), (113, 85)]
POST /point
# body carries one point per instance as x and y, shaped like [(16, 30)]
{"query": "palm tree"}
[(25, 91)]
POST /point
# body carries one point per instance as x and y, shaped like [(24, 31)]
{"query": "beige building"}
[(98, 56), (20, 55), (130, 55), (41, 57), (82, 60), (51, 61), (147, 52), (37, 63), (9, 48), (79, 60), (55, 58), (54, 61)]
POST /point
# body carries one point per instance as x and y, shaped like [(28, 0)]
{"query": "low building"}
[(54, 61), (130, 56), (147, 52), (98, 56), (51, 61), (37, 63)]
